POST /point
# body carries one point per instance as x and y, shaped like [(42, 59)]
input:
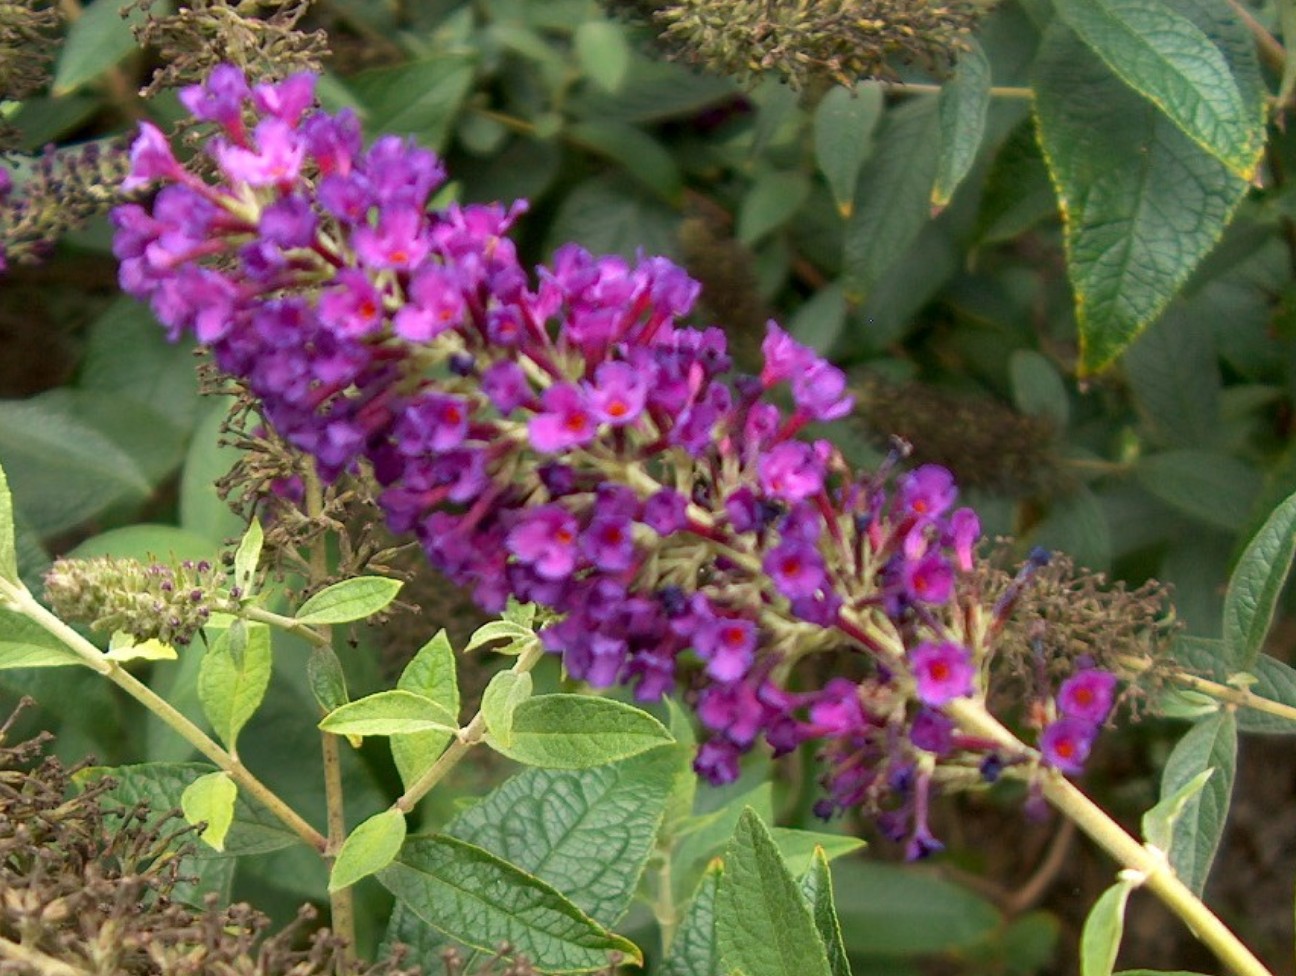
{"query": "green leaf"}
[(25, 644), (763, 925), (1256, 584), (1213, 488), (1165, 57), (1173, 372), (963, 106), (1210, 744), (246, 558), (774, 199), (1142, 203), (202, 511), (798, 847), (1277, 682), (8, 549), (843, 137), (326, 678), (819, 322), (61, 470), (642, 156), (234, 677), (368, 849), (97, 41), (695, 950), (420, 98), (389, 713), (1159, 822), (611, 214), (517, 636), (352, 599), (1038, 389), (210, 800), (603, 54), (893, 199), (1101, 938), (654, 91), (587, 832), (482, 901), (254, 829), (147, 543), (575, 731), (432, 674), (506, 691), (816, 888)]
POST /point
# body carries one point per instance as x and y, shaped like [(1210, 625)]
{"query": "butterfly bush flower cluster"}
[(560, 436)]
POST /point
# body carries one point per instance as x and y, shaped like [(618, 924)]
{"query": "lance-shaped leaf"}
[(234, 676), (816, 886), (352, 599), (1101, 938), (763, 923), (1256, 584), (432, 674), (575, 731), (247, 556), (963, 105), (1142, 203), (843, 136), (1170, 61), (368, 849), (393, 712), (695, 950), (482, 901), (210, 800), (1210, 744), (8, 550)]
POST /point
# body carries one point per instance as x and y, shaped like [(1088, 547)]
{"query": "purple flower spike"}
[(1065, 744), (566, 421), (796, 568), (943, 672), (1087, 695), (546, 540)]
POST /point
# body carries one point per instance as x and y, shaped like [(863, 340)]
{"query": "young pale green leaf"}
[(210, 800), (1159, 822), (8, 550), (1101, 938), (1141, 202), (515, 634), (576, 731), (24, 644), (352, 599), (522, 614), (431, 673), (763, 924), (1165, 57), (234, 676), (1210, 744), (368, 849), (843, 137), (247, 556), (123, 647), (326, 678), (482, 901), (97, 40), (603, 53), (816, 888), (893, 198), (1256, 584), (564, 825), (506, 691), (798, 847), (394, 712), (695, 950), (964, 105), (161, 785)]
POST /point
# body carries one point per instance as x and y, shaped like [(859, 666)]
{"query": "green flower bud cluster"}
[(167, 602), (842, 41)]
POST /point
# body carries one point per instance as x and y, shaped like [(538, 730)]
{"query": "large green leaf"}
[(964, 103), (642, 156), (24, 644), (98, 39), (1256, 584), (843, 136), (893, 198), (234, 677), (816, 887), (1210, 744), (147, 543), (160, 786), (202, 511), (695, 950), (482, 901), (1142, 202), (1168, 59), (1101, 938), (421, 98), (763, 923), (1210, 487), (574, 731), (62, 471), (1173, 372), (430, 673)]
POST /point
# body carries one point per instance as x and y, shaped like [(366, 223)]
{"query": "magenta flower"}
[(1087, 695), (352, 307), (545, 539), (277, 159), (784, 356), (397, 243), (928, 579), (151, 159), (791, 471), (796, 568), (928, 491), (1065, 744), (728, 645), (506, 386), (287, 100), (565, 421), (618, 394), (666, 512), (943, 672), (608, 542)]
